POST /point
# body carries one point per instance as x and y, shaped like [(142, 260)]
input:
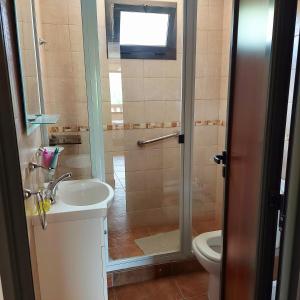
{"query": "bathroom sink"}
[(79, 200), (85, 192)]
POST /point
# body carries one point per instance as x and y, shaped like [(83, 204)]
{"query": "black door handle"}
[(220, 158)]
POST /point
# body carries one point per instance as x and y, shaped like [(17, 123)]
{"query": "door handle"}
[(220, 158)]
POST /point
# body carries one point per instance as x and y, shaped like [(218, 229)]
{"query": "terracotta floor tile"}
[(124, 251), (160, 289), (193, 284), (111, 294), (122, 242)]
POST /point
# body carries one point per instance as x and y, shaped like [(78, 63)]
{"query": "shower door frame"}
[(92, 74)]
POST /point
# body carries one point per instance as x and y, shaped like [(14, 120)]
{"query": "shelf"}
[(42, 119)]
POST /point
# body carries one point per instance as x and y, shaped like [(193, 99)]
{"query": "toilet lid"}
[(209, 245)]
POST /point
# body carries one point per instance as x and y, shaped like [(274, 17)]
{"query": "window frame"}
[(167, 52)]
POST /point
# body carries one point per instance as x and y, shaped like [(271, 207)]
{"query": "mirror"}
[(29, 61)]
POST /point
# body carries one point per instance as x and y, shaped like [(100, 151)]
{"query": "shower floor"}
[(122, 236)]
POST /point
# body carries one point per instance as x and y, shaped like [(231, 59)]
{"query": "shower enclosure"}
[(162, 122), (147, 82)]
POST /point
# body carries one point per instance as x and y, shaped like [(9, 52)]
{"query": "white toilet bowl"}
[(207, 247)]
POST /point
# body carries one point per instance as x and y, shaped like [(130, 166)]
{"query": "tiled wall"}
[(63, 78), (152, 93), (213, 43), (151, 107)]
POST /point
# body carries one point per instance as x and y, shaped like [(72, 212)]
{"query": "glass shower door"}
[(141, 94)]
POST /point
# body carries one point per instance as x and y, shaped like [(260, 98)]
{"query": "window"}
[(142, 31), (115, 87)]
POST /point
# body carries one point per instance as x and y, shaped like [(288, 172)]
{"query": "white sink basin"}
[(85, 192), (78, 200)]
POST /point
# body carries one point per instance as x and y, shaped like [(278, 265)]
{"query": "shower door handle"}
[(221, 159)]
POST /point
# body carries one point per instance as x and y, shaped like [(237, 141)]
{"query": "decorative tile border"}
[(131, 126), (59, 129)]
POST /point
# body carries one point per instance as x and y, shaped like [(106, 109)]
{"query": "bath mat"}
[(160, 243)]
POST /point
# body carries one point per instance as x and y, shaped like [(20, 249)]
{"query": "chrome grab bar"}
[(164, 137)]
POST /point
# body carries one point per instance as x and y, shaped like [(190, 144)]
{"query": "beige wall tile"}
[(202, 41), (74, 11), (203, 155), (135, 181), (215, 20), (173, 68), (60, 90), (171, 158), (132, 68), (133, 89), (62, 66), (208, 65), (54, 11), (106, 113), (203, 18), (154, 68), (172, 111), (134, 112), (135, 160), (206, 110), (207, 88), (78, 66), (215, 41), (205, 135), (172, 89), (153, 179), (76, 38), (154, 159), (56, 36), (154, 111), (154, 88)]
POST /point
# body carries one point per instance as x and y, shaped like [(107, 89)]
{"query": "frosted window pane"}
[(145, 29)]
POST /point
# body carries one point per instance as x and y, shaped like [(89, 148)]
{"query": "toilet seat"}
[(208, 244)]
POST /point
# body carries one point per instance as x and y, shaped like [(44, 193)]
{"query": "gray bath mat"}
[(160, 243)]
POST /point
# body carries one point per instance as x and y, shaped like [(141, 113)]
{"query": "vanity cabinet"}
[(71, 259)]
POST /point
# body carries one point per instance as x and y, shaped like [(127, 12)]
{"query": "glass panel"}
[(212, 66), (59, 29), (142, 101), (147, 29)]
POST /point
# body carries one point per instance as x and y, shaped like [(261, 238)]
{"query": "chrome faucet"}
[(50, 191)]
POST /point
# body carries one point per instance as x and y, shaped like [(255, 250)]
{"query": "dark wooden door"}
[(260, 68)]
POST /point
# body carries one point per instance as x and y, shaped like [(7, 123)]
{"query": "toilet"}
[(207, 248)]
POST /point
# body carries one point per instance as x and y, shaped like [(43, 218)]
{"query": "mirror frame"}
[(30, 127)]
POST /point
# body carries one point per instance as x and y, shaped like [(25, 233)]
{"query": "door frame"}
[(283, 34), (288, 286), (15, 264), (281, 65)]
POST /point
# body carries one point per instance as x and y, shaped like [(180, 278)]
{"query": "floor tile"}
[(193, 284), (111, 294), (159, 289)]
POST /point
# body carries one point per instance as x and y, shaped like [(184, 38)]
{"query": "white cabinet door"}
[(69, 257)]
